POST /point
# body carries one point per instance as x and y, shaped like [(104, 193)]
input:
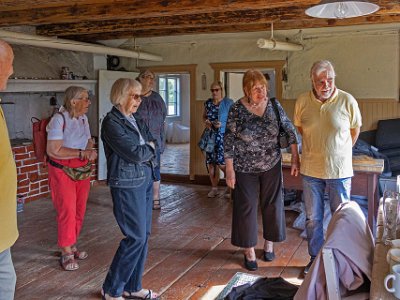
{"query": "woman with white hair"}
[(131, 154)]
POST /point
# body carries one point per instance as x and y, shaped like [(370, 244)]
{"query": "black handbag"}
[(283, 136)]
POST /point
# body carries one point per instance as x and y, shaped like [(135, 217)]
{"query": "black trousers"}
[(265, 188)]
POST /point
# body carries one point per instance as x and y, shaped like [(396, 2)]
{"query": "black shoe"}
[(269, 256), (307, 268), (250, 265)]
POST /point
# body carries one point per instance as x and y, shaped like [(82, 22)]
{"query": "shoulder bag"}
[(283, 136)]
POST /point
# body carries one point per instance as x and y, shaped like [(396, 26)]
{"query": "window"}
[(169, 89)]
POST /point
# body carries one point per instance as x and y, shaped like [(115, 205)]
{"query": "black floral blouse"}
[(252, 141)]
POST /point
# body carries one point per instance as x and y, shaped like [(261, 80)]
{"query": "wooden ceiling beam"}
[(294, 24), (290, 15), (180, 21), (37, 14)]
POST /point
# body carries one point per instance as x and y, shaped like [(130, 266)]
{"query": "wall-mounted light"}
[(331, 9), (273, 44)]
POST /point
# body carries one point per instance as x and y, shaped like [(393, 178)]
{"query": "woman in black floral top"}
[(254, 169)]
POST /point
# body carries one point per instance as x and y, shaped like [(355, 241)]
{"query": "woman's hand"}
[(207, 123), (295, 161), (295, 166), (89, 154), (217, 124), (230, 177)]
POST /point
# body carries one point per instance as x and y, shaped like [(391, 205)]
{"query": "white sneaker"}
[(213, 193)]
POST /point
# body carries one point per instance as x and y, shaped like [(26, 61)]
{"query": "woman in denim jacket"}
[(215, 115), (131, 152)]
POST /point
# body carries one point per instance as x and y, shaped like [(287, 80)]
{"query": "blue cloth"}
[(223, 111), (7, 276), (157, 170), (133, 212), (338, 191), (126, 157), (213, 113)]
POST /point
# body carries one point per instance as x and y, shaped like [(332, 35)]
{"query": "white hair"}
[(320, 66)]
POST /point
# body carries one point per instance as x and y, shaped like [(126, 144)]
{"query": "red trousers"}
[(69, 200)]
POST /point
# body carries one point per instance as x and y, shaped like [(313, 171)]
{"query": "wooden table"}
[(364, 183), (380, 267)]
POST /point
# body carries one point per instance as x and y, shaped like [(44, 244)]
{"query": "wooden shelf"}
[(39, 85)]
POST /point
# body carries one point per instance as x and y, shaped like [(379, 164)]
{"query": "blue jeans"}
[(7, 276), (157, 170), (314, 189), (132, 211)]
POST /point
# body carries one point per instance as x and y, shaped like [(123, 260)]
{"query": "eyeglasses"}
[(147, 77), (83, 98), (214, 90), (135, 96)]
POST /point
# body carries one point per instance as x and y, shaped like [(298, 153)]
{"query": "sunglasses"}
[(214, 90), (135, 96)]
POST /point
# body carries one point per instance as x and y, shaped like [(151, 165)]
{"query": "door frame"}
[(273, 64), (191, 69)]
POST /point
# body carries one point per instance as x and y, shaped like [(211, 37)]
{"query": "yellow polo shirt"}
[(8, 189), (327, 144)]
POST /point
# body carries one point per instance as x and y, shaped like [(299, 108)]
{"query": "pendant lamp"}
[(330, 9)]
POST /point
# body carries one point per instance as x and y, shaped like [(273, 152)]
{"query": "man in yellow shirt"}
[(329, 121), (8, 188)]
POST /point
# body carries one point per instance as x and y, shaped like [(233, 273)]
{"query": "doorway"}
[(233, 82), (174, 88), (237, 69), (177, 159)]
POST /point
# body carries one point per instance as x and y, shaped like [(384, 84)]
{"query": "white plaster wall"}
[(27, 105), (366, 57), (45, 63)]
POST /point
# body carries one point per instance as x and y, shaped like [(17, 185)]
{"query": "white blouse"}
[(75, 134)]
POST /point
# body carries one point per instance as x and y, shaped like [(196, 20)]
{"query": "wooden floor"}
[(174, 153), (190, 254)]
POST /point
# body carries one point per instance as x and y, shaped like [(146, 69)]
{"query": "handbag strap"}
[(278, 116)]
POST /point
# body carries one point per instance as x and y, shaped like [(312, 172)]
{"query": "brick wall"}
[(32, 174)]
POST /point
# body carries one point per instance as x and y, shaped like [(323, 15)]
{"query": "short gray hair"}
[(121, 88), (319, 66), (72, 92)]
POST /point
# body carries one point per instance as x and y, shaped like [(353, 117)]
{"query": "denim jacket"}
[(223, 111), (126, 158)]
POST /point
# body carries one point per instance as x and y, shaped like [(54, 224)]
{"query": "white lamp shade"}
[(277, 45), (330, 9)]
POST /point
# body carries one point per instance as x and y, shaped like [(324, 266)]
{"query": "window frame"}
[(164, 92)]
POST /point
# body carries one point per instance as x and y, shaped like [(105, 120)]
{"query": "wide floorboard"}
[(190, 254)]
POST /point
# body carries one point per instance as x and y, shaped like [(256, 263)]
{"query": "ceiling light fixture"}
[(273, 44), (330, 9)]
